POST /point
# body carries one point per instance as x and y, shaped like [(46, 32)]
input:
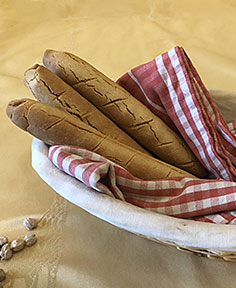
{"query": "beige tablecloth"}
[(76, 249)]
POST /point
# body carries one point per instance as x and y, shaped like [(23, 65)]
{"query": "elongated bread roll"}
[(54, 126), (49, 88), (124, 109)]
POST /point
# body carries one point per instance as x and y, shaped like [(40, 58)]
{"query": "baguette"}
[(124, 109), (49, 88), (55, 127)]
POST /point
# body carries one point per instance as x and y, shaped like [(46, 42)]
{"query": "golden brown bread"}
[(54, 126), (49, 88), (124, 109)]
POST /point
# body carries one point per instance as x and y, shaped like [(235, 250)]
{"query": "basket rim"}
[(189, 235)]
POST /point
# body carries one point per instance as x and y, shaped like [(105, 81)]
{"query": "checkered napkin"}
[(172, 89)]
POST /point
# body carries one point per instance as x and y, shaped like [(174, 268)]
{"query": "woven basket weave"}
[(229, 256)]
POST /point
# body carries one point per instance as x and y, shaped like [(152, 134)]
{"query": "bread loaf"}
[(54, 126), (124, 109), (49, 88)]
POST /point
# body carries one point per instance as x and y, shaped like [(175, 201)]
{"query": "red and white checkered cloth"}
[(170, 86)]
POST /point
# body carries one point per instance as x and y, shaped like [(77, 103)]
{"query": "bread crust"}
[(55, 127), (49, 88), (124, 109)]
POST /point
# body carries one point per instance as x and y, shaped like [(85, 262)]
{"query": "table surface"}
[(76, 249)]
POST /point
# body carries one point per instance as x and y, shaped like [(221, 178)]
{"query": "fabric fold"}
[(174, 83), (178, 196)]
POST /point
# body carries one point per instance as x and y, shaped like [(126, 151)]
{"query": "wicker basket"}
[(214, 241)]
